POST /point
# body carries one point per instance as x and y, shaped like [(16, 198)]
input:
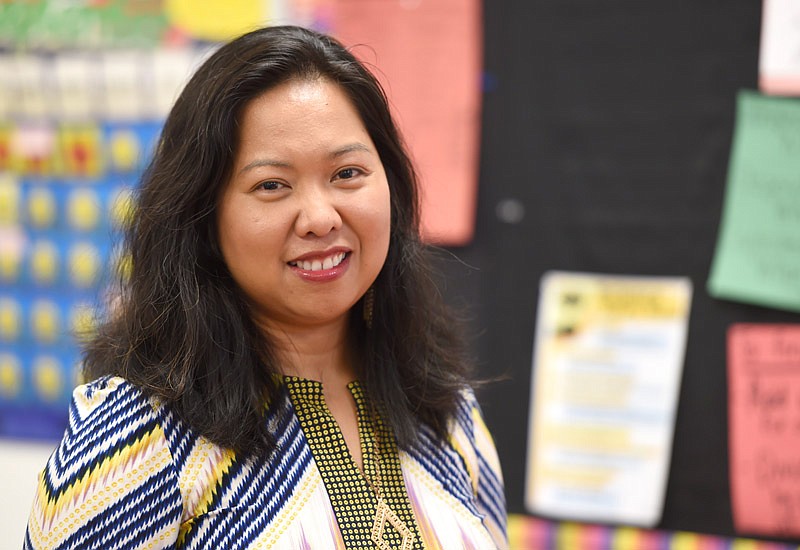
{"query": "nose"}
[(317, 214)]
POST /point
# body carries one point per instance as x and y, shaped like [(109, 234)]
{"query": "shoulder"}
[(109, 416), (108, 392), (468, 441), (473, 441), (110, 413), (470, 419), (470, 436), (466, 465), (111, 407), (467, 422), (114, 460)]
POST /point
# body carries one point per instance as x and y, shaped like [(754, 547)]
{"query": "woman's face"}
[(304, 220)]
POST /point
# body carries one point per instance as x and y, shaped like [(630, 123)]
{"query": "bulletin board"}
[(607, 134)]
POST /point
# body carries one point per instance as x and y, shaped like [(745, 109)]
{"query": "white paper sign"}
[(124, 84), (779, 56), (77, 84), (32, 76), (172, 69), (607, 367)]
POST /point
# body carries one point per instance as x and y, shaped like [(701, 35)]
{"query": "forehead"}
[(300, 106)]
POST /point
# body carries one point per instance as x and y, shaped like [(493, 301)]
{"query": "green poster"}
[(757, 259), (54, 24)]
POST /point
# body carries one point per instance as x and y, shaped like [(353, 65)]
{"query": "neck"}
[(317, 352)]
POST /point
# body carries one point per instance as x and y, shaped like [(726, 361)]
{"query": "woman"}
[(280, 371)]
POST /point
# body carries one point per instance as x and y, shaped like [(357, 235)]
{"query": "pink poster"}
[(764, 424), (428, 57)]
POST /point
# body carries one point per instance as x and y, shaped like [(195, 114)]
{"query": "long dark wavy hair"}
[(181, 328)]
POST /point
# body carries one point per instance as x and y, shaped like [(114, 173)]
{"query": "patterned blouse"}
[(129, 474)]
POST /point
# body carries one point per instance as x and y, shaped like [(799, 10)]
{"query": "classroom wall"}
[(606, 131), (20, 463)]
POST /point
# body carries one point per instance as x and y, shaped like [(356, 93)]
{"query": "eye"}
[(348, 173), (270, 186)]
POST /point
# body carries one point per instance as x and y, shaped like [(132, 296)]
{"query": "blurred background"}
[(577, 136)]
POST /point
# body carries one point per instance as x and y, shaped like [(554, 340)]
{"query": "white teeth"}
[(317, 265)]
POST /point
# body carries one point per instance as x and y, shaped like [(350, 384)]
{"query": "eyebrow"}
[(264, 162), (350, 148)]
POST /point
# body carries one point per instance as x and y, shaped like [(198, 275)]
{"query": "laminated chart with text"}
[(607, 362)]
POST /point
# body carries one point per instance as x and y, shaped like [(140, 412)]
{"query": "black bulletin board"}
[(606, 132)]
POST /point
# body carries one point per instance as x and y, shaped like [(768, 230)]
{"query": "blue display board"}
[(66, 190)]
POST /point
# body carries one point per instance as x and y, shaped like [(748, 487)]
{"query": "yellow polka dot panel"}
[(66, 194), (42, 208), (83, 209), (85, 264), (60, 209), (46, 320), (48, 378), (10, 320), (125, 149), (121, 208), (13, 243), (10, 200), (45, 262), (38, 378), (10, 375)]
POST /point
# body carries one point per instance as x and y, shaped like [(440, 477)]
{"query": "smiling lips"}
[(318, 265)]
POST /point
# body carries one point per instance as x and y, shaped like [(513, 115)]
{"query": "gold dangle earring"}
[(369, 305)]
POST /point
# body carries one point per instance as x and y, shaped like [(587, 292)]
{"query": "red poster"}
[(764, 407), (428, 56)]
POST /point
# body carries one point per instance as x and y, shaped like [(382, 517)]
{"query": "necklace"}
[(383, 513)]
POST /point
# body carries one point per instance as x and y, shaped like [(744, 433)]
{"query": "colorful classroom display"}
[(441, 129), (65, 191), (533, 533)]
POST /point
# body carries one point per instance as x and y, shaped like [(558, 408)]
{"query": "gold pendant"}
[(383, 514)]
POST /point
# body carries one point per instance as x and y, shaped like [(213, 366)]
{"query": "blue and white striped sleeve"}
[(110, 484)]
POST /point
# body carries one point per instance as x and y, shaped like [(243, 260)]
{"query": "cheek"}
[(246, 241), (240, 234), (380, 217), (229, 233), (387, 227)]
